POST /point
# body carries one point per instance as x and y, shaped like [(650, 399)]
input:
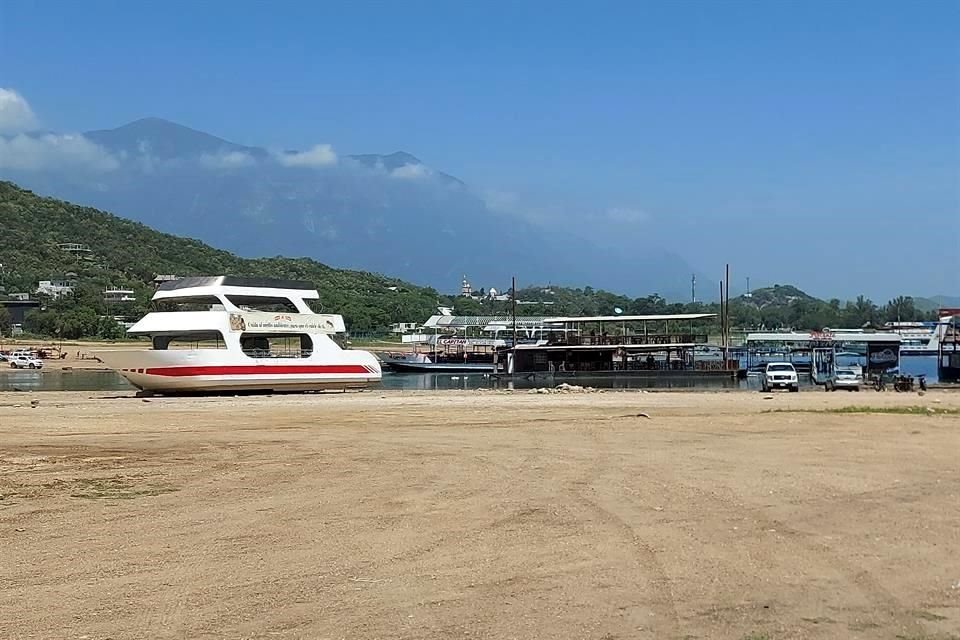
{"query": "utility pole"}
[(513, 297)]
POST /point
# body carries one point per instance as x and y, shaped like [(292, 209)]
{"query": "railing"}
[(649, 339)]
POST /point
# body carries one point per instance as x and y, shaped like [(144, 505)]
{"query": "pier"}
[(651, 346)]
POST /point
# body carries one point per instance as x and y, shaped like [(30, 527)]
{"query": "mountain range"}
[(386, 213)]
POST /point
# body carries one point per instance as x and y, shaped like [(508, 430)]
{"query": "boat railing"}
[(278, 353)]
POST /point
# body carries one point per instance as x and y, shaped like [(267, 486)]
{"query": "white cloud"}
[(227, 160), (512, 204), (629, 215), (411, 172), (16, 116), (321, 155), (49, 151)]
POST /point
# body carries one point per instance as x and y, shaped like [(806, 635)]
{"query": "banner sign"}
[(470, 342), (262, 322), (881, 357)]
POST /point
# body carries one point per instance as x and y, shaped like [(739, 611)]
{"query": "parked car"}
[(845, 378), (780, 375), (25, 362)]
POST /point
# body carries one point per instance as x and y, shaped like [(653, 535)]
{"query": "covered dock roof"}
[(624, 318), (609, 347), (460, 322)]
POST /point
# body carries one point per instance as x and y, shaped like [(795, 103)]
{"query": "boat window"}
[(190, 340), (263, 303), (195, 303), (285, 345)]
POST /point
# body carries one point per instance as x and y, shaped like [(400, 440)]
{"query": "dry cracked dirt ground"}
[(480, 515)]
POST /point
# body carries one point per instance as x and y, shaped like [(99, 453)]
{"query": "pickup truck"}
[(25, 362), (779, 375)]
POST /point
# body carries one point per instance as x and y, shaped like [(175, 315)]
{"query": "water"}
[(88, 380), (75, 380)]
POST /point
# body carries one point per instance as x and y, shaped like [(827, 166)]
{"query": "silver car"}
[(845, 378)]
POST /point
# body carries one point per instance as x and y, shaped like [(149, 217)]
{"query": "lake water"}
[(80, 380)]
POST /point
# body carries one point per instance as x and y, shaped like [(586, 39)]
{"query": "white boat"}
[(227, 333), (920, 338)]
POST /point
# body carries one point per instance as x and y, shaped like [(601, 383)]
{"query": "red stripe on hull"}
[(256, 370)]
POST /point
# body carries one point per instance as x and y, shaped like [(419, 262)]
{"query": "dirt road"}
[(479, 515)]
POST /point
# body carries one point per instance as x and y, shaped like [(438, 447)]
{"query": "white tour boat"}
[(227, 333)]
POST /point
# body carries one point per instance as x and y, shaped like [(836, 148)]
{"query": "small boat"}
[(445, 354), (227, 333)]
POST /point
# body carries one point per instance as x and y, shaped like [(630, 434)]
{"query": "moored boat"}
[(227, 333)]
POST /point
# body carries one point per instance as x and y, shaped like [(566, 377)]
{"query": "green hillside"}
[(129, 254)]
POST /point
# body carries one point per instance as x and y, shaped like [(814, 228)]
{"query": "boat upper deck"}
[(234, 293)]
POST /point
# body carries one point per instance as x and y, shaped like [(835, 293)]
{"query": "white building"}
[(117, 294), (404, 327), (56, 288)]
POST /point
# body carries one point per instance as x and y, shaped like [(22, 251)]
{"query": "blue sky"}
[(751, 123)]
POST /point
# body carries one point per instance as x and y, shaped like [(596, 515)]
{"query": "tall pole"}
[(693, 288), (513, 298), (723, 333), (726, 323)]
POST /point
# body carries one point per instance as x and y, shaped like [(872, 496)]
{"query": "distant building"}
[(466, 290), (56, 288), (159, 279), (73, 247), (23, 295), (117, 294), (404, 327)]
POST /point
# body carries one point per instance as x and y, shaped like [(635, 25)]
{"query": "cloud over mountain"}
[(16, 116), (54, 152), (320, 155)]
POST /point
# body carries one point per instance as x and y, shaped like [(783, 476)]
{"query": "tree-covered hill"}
[(129, 254)]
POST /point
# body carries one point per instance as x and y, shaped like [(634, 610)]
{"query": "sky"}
[(744, 125)]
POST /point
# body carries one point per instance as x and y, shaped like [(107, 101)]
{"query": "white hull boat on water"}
[(252, 334)]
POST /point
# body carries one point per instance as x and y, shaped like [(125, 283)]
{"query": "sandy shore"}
[(479, 515), (77, 355)]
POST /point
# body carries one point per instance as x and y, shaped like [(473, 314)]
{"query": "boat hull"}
[(170, 372)]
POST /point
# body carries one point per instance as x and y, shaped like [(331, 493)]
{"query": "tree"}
[(5, 321), (901, 309)]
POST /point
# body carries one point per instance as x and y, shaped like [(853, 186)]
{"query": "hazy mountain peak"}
[(163, 139)]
